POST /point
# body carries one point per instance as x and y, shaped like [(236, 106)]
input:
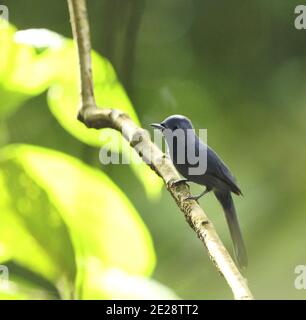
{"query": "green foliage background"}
[(71, 227)]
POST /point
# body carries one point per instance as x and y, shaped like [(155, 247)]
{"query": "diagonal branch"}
[(94, 117)]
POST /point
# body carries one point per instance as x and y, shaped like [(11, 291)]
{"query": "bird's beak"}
[(157, 126)]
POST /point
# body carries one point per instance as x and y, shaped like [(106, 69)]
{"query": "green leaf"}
[(64, 95), (20, 282), (45, 191), (64, 98), (18, 60), (37, 237), (55, 67), (102, 283), (17, 293)]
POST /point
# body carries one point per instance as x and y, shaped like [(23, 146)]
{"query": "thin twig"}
[(80, 29), (94, 117)]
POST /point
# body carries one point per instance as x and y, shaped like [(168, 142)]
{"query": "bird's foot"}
[(196, 198), (175, 183)]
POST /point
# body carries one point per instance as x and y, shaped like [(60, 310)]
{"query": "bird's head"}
[(173, 123)]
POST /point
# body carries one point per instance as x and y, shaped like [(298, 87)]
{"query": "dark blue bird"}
[(216, 178)]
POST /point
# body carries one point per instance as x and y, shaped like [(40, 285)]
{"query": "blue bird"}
[(217, 177)]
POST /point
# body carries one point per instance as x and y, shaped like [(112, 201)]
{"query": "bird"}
[(216, 178)]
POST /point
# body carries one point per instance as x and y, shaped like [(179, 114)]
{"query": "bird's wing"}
[(217, 168)]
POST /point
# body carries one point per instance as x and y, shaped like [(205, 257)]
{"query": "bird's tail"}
[(227, 203)]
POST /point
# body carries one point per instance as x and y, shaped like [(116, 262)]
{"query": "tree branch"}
[(94, 117)]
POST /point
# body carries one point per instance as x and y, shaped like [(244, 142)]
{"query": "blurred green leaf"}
[(102, 283), (45, 191), (51, 62), (18, 62), (151, 182), (26, 281), (64, 97), (15, 291), (37, 237)]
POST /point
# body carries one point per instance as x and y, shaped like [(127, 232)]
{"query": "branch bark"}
[(94, 117)]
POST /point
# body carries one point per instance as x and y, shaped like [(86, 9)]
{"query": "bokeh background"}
[(236, 68)]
